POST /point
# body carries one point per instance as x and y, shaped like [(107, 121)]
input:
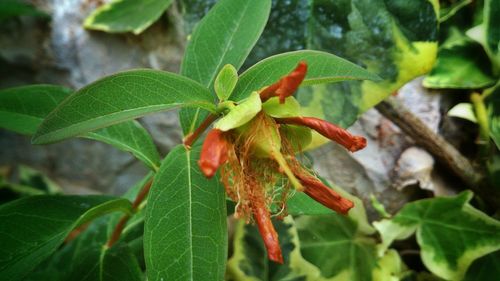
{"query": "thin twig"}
[(192, 137), (444, 152), (124, 219)]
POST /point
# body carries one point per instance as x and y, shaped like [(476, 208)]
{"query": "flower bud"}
[(267, 231), (213, 153), (287, 85), (328, 130), (324, 195)]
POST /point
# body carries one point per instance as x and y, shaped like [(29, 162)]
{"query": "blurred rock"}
[(62, 52)]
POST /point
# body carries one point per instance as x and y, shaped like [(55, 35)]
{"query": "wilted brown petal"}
[(329, 130), (267, 232), (324, 195), (287, 85), (213, 153)]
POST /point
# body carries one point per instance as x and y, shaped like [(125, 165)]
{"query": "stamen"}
[(329, 130)]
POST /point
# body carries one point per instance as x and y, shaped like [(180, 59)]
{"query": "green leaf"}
[(22, 110), (463, 110), (461, 64), (273, 107), (450, 233), (389, 38), (86, 259), (486, 268), (240, 114), (185, 232), (225, 82), (224, 36), (249, 260), (336, 246), (492, 31), (120, 97), (132, 137), (126, 15), (36, 179), (14, 8), (446, 12), (33, 227), (322, 68)]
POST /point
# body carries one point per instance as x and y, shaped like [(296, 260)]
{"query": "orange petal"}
[(287, 85), (324, 195), (329, 130), (267, 232), (213, 153)]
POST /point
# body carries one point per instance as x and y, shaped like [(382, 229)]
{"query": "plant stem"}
[(482, 120), (124, 219), (444, 152), (192, 137)]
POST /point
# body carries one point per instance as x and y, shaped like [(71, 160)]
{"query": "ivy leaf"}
[(322, 68), (328, 235), (224, 36), (250, 262), (240, 114), (389, 38), (185, 234), (126, 15), (486, 268), (33, 227), (120, 97), (463, 110), (450, 233), (461, 64), (22, 110), (225, 82)]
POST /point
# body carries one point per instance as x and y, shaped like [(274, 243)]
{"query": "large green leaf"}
[(126, 15), (86, 258), (322, 68), (185, 232), (120, 97), (225, 35), (461, 64), (492, 30), (450, 232), (389, 38), (32, 228), (22, 109)]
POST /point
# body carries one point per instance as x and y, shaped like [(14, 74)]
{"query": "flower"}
[(254, 146)]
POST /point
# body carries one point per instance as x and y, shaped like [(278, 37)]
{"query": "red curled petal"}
[(213, 153), (267, 232), (324, 195), (287, 85), (329, 130)]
